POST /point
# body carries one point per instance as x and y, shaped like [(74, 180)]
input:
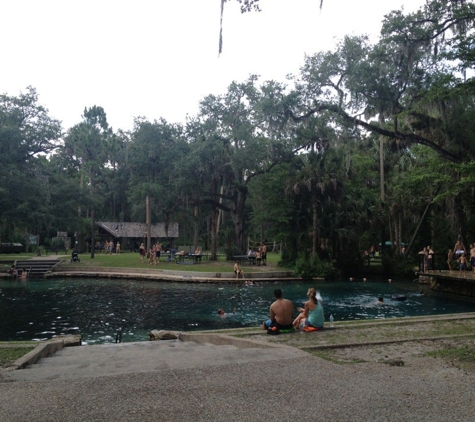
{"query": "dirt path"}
[(397, 342)]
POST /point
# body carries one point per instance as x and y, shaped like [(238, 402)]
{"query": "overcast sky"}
[(159, 58)]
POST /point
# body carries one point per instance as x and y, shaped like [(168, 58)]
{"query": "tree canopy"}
[(303, 163)]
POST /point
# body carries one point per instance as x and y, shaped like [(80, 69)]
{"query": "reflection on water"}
[(97, 308)]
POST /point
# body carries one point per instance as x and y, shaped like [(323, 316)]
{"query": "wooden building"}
[(130, 235)]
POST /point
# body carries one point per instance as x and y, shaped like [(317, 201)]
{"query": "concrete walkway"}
[(189, 381), (112, 359), (146, 273)]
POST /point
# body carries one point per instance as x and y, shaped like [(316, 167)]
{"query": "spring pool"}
[(96, 308)]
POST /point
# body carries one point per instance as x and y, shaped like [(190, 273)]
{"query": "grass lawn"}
[(11, 353), (132, 260)]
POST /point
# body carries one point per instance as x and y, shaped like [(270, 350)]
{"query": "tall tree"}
[(251, 149), (87, 142), (26, 132), (154, 149)]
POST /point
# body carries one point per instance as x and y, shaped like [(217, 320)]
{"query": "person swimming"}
[(223, 314)]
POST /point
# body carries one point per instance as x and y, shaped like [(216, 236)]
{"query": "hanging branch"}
[(221, 28), (246, 6)]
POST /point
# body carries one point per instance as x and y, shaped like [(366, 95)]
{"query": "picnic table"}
[(182, 258), (242, 259)]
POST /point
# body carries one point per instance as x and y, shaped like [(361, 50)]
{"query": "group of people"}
[(461, 256), (14, 273), (153, 254), (259, 254), (427, 254), (282, 313), (459, 253), (109, 247)]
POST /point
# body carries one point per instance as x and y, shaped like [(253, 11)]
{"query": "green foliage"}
[(309, 266), (26, 133), (299, 164)]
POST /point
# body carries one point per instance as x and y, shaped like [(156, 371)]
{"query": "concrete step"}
[(152, 356), (36, 268)]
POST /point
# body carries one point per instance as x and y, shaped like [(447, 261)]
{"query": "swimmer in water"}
[(379, 301), (223, 314)]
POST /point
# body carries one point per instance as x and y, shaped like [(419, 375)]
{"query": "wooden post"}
[(149, 223)]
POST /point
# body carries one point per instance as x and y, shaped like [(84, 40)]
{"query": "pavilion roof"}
[(124, 230)]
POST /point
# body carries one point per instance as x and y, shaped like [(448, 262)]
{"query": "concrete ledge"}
[(165, 275), (43, 350), (382, 342), (449, 282), (226, 340)]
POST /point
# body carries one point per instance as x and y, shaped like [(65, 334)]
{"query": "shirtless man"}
[(430, 258), (281, 313), (459, 248), (463, 265), (264, 254), (238, 270), (472, 257)]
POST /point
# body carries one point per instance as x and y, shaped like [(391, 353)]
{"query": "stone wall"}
[(450, 284)]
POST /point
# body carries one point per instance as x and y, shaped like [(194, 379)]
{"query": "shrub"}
[(309, 266)]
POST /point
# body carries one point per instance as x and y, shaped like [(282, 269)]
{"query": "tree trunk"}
[(38, 251), (399, 233), (314, 224), (213, 233), (381, 167), (79, 233), (391, 235), (460, 223), (149, 223), (93, 233), (238, 220), (196, 227), (411, 243), (221, 212)]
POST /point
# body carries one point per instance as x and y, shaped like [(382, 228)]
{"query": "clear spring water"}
[(96, 308)]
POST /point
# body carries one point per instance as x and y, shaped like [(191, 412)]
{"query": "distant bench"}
[(55, 250)]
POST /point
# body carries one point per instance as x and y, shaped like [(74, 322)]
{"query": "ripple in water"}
[(96, 309)]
